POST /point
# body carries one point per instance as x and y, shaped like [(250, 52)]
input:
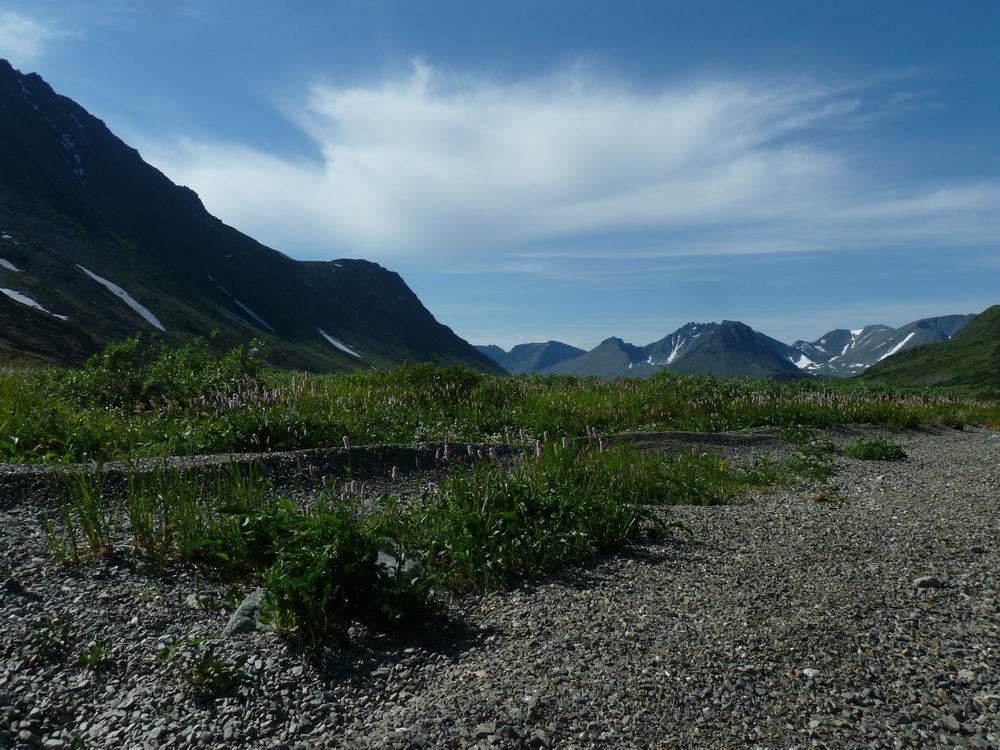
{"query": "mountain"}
[(970, 357), (726, 350), (732, 349), (612, 358), (845, 353), (529, 358), (96, 244)]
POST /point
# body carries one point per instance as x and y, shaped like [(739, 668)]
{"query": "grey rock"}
[(245, 618), (928, 582)]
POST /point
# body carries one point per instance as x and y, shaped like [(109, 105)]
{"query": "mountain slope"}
[(96, 244), (844, 353), (971, 357), (530, 358)]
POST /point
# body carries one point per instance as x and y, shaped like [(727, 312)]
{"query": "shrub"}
[(138, 373), (877, 449), (488, 524)]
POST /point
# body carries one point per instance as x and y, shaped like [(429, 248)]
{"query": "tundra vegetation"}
[(138, 399), (561, 495)]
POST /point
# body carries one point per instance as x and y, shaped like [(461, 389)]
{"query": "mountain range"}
[(733, 349), (96, 244)]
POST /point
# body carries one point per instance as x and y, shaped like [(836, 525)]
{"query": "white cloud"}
[(24, 40), (449, 168)]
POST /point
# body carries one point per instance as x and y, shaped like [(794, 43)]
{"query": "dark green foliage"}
[(140, 374), (877, 449), (96, 656), (488, 524), (323, 569)]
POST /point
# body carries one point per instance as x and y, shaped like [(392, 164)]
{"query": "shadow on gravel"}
[(375, 655), (674, 550)]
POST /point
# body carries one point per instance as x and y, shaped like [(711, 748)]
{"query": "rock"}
[(811, 674), (244, 619), (398, 569), (966, 675), (928, 582), (482, 731)]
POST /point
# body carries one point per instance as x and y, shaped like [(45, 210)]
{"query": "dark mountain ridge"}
[(82, 214)]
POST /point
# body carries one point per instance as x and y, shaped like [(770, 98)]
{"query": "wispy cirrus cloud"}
[(459, 169), (25, 39)]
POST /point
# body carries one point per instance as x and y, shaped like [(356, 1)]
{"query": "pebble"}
[(789, 624)]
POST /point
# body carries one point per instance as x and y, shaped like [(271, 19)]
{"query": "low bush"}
[(141, 374), (877, 449)]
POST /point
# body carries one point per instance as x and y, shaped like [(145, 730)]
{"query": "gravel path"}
[(872, 621)]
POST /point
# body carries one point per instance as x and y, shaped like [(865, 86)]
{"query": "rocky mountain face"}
[(529, 358), (733, 349), (96, 244), (971, 356), (844, 353)]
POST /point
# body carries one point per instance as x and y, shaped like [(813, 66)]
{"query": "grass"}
[(325, 564), (136, 401), (876, 449)]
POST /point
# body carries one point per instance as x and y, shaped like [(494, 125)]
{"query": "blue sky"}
[(543, 169)]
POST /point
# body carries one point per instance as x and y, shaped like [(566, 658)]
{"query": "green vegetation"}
[(326, 563), (48, 637), (135, 401), (877, 449), (971, 359), (96, 656), (195, 663)]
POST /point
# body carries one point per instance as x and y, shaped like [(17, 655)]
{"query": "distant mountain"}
[(970, 357), (844, 353), (96, 244), (726, 350), (733, 349), (612, 358), (529, 358)]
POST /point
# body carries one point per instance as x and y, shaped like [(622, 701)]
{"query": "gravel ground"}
[(871, 621)]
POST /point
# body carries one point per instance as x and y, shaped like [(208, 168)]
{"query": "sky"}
[(547, 169)]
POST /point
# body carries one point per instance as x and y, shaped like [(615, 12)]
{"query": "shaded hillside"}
[(96, 244)]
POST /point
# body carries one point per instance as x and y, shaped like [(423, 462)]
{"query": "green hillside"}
[(972, 357)]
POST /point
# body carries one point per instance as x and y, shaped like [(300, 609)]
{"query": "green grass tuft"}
[(877, 449)]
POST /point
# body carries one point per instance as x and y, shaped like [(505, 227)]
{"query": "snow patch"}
[(856, 331), (337, 343), (4, 263), (24, 299), (252, 314), (243, 307), (802, 362), (676, 350), (898, 346), (125, 297)]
